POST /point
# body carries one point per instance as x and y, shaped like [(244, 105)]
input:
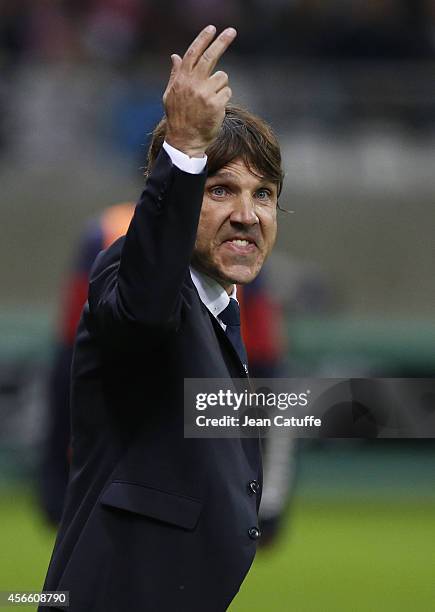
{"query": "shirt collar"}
[(211, 293)]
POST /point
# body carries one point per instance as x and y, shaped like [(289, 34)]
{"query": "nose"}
[(243, 211)]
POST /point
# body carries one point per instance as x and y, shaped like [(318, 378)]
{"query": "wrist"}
[(187, 147), (192, 165)]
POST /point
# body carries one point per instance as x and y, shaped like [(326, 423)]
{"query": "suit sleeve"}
[(136, 284)]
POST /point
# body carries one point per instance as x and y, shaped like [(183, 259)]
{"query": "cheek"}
[(269, 230), (204, 234), (210, 221), (274, 232)]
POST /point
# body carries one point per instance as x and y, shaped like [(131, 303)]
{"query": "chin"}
[(240, 275)]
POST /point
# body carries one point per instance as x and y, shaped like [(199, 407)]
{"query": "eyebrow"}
[(227, 174), (223, 174)]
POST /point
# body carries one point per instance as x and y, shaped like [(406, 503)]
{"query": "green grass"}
[(347, 557), (26, 544), (335, 555)]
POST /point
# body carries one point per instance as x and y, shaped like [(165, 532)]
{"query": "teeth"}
[(240, 242)]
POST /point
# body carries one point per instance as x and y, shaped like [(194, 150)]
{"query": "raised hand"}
[(194, 98)]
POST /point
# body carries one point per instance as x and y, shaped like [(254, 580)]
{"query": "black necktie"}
[(231, 317)]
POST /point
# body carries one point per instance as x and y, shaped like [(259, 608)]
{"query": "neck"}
[(228, 288)]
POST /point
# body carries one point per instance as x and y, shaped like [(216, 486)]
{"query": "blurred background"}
[(349, 87)]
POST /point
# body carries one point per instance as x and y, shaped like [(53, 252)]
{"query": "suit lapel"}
[(223, 339)]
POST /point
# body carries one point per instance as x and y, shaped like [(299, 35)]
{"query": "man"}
[(261, 324), (155, 522)]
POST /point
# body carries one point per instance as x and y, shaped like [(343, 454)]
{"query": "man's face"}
[(237, 225)]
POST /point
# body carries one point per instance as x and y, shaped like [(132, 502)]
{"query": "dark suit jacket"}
[(153, 521)]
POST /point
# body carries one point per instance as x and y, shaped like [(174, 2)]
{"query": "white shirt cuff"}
[(192, 165)]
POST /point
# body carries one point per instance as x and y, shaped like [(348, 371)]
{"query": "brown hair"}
[(242, 135)]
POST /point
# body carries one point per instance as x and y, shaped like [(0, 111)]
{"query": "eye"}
[(218, 191), (263, 194)]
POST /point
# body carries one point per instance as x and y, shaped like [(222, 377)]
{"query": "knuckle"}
[(204, 96), (206, 56), (216, 104), (181, 84)]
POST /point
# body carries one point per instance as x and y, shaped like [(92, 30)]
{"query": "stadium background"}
[(349, 88)]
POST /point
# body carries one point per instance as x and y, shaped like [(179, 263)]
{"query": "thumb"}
[(176, 63), (176, 60)]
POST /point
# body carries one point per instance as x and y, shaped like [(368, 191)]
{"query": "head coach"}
[(153, 521)]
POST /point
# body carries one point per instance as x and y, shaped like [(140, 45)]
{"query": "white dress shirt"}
[(212, 294), (193, 165)]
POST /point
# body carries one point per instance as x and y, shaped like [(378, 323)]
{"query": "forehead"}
[(238, 171)]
